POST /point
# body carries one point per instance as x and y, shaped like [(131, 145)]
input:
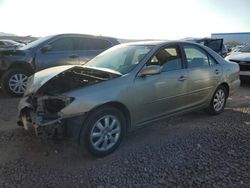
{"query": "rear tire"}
[(218, 101), (14, 81), (103, 131)]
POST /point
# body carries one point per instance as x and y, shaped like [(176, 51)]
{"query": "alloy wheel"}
[(219, 100), (105, 133), (17, 83)]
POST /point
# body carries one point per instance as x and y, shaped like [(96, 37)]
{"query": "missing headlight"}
[(52, 104)]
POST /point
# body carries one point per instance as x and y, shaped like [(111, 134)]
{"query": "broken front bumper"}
[(42, 114)]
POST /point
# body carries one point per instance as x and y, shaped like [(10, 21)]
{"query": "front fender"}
[(86, 99)]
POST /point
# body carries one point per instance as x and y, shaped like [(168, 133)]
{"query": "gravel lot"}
[(193, 150)]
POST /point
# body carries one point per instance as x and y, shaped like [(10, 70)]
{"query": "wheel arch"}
[(210, 108), (124, 110), (118, 105), (22, 65), (83, 138), (226, 86)]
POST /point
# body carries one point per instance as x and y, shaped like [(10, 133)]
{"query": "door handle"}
[(217, 71), (182, 78), (73, 56)]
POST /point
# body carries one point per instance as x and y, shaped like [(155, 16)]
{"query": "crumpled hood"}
[(67, 77), (38, 79), (239, 57)]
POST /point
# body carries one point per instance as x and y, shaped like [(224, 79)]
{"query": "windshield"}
[(245, 49), (35, 43), (122, 58)]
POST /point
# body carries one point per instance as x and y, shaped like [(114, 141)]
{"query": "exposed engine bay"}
[(72, 79), (42, 108)]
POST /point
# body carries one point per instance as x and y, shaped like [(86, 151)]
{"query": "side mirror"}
[(46, 48), (150, 70)]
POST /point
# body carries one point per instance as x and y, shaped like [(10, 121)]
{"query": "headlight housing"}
[(53, 104)]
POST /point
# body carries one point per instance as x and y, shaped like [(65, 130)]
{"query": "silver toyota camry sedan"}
[(126, 87)]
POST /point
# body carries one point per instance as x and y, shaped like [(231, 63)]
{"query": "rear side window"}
[(195, 57), (63, 44), (92, 44)]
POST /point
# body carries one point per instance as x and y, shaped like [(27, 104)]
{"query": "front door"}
[(164, 93), (60, 52)]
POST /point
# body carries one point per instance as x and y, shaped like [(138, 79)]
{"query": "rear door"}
[(88, 48), (204, 74), (61, 52)]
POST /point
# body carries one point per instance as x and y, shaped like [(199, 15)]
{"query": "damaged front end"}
[(45, 96), (43, 113)]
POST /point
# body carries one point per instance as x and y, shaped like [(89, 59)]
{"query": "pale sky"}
[(131, 19)]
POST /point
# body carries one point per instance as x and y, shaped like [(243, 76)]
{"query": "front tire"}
[(218, 101), (14, 81), (103, 131)]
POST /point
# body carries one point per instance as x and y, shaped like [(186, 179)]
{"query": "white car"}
[(243, 59), (236, 49)]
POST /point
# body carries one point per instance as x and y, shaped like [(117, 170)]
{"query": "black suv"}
[(17, 65)]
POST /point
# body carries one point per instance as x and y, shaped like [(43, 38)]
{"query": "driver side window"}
[(63, 44), (168, 58)]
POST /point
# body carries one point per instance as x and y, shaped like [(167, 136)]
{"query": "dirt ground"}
[(193, 150)]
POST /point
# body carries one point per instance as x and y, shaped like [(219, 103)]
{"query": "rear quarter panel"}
[(231, 76), (230, 72)]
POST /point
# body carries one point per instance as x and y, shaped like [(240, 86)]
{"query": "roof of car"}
[(150, 42), (158, 42), (83, 35), (113, 40)]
